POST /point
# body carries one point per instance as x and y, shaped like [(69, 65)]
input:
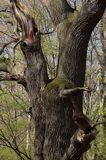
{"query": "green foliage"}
[(7, 154), (2, 59), (14, 124)]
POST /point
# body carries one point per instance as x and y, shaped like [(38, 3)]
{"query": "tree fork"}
[(72, 62)]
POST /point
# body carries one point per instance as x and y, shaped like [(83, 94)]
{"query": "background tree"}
[(16, 129)]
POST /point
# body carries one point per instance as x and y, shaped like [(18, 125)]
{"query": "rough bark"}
[(71, 73), (52, 113), (35, 74)]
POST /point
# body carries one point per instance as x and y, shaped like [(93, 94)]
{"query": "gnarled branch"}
[(26, 22), (80, 143), (10, 77), (68, 92)]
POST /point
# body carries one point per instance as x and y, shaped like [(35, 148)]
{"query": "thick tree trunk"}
[(52, 111), (74, 37)]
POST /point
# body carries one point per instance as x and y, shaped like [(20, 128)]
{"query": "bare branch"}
[(9, 35), (99, 123), (67, 92), (7, 143), (14, 48), (5, 9), (46, 33), (6, 44), (9, 77)]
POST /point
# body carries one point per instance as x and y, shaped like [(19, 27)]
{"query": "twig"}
[(5, 10), (41, 33), (15, 48), (6, 44), (9, 35), (99, 123)]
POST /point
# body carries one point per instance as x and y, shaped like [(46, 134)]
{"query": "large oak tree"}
[(62, 131)]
